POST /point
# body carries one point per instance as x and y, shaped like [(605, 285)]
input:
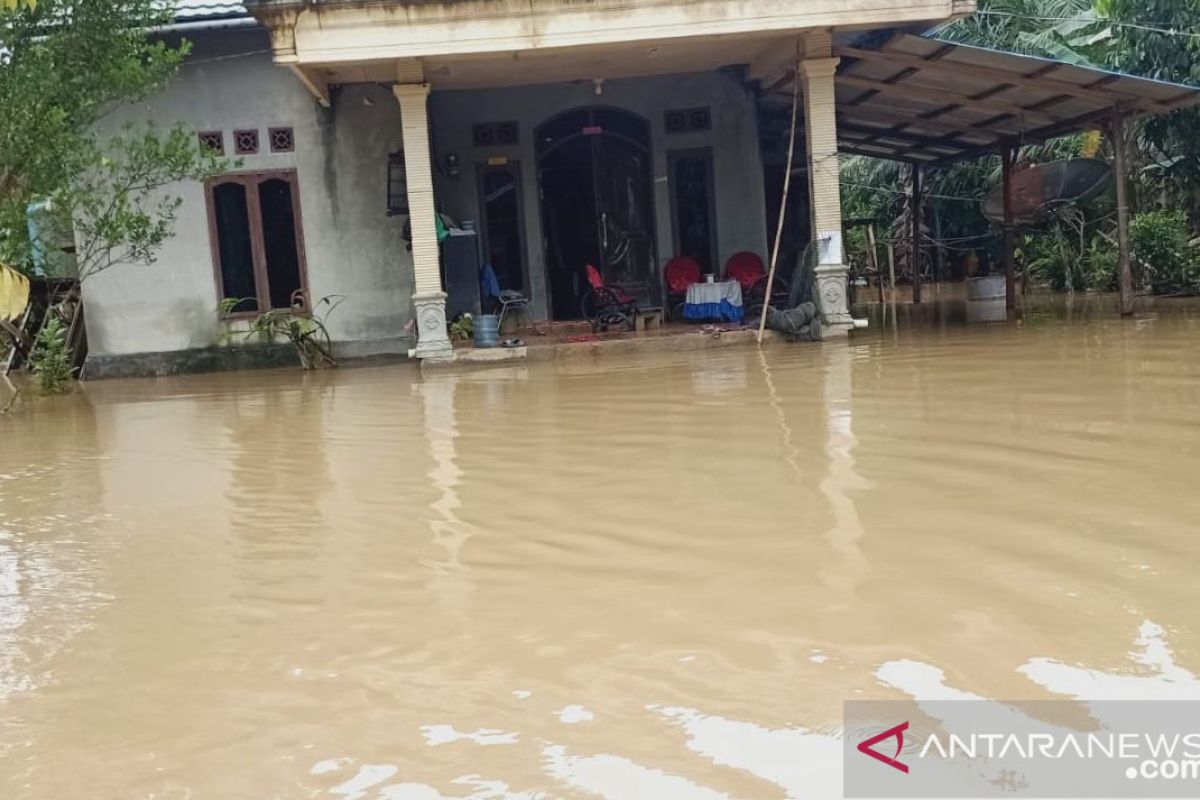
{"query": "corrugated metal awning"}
[(930, 101), (190, 10)]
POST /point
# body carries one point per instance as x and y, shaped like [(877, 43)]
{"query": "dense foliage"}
[(1162, 252), (64, 65), (1151, 38)]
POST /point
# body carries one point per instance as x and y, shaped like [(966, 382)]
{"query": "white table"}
[(718, 300)]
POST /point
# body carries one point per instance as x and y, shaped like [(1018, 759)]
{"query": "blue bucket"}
[(487, 330)]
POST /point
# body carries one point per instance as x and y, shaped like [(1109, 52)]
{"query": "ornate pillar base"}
[(433, 340), (832, 281)]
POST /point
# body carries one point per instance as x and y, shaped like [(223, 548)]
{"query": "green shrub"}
[(463, 328), (1100, 266), (50, 361), (1162, 254), (1053, 259)]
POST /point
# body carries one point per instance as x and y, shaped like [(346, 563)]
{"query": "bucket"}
[(487, 330), (985, 299), (989, 287)]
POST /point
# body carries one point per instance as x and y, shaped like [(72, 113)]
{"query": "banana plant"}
[(14, 294)]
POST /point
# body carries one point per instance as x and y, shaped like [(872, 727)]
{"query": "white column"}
[(429, 300), (820, 125)]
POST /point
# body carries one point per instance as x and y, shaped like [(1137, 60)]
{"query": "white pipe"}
[(212, 24)]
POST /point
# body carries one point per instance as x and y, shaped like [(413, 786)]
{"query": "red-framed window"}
[(257, 239)]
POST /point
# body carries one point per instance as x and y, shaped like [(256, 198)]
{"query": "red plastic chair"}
[(680, 273), (746, 268), (607, 305), (598, 284)]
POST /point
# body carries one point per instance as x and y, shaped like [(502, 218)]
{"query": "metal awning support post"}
[(1116, 128), (1010, 233), (873, 253), (915, 243)]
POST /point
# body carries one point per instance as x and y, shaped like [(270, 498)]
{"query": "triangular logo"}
[(896, 733)]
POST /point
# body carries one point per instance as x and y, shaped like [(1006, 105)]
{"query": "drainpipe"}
[(35, 239)]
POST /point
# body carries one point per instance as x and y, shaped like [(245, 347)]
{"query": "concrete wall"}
[(340, 156), (352, 247), (737, 167)]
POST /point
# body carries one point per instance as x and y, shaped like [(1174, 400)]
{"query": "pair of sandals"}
[(513, 343)]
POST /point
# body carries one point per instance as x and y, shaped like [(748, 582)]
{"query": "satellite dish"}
[(1039, 190)]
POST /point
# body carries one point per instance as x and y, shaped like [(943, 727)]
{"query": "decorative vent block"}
[(688, 120), (282, 140), (494, 134), (245, 143), (212, 142)]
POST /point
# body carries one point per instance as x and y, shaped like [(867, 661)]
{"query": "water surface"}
[(632, 578)]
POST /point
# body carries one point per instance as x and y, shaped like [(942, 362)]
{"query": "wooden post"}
[(1124, 267), (915, 244), (874, 255), (783, 201), (892, 271), (938, 253), (1009, 157)]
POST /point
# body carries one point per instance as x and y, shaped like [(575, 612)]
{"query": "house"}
[(553, 134), (568, 131)]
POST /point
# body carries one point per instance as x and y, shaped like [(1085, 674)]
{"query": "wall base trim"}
[(244, 357)]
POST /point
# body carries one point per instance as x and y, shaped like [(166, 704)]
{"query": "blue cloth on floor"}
[(723, 310)]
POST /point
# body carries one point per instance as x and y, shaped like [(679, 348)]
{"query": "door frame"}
[(654, 278), (481, 169), (707, 153)]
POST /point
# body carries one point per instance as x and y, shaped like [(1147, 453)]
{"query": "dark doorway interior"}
[(693, 204), (569, 211), (796, 226), (500, 202), (774, 124), (597, 206)]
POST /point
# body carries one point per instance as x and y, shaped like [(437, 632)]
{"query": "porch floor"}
[(575, 340)]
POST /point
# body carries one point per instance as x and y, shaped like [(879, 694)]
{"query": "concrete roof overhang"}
[(469, 44)]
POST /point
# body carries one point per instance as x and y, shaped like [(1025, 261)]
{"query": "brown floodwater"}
[(646, 577)]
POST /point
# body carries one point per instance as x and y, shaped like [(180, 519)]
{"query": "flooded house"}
[(663, 577), (386, 151), (551, 135)]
